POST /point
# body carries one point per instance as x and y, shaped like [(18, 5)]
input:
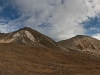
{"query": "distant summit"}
[(81, 43)]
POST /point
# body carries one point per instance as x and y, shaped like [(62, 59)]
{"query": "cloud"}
[(97, 36), (3, 25), (94, 29), (59, 19), (3, 28), (6, 25)]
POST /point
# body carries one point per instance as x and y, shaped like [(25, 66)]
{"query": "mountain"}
[(81, 43), (28, 52), (28, 36)]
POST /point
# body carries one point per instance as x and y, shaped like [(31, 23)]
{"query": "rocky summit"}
[(28, 52)]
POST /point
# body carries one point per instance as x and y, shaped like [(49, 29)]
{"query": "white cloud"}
[(3, 25), (97, 36), (3, 28), (94, 29), (6, 26), (60, 20)]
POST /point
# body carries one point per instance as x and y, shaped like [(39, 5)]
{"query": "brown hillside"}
[(81, 43), (28, 52), (28, 36), (25, 60)]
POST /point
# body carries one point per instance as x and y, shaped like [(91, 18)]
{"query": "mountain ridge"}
[(28, 52), (82, 43), (28, 36)]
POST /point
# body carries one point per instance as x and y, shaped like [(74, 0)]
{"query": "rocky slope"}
[(81, 43), (28, 52), (28, 36)]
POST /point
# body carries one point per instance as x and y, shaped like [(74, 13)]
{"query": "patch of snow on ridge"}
[(30, 36)]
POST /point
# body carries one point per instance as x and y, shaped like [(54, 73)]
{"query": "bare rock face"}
[(81, 43), (28, 36)]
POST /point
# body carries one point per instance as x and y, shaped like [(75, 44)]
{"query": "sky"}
[(58, 19)]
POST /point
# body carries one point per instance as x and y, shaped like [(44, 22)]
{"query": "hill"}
[(28, 52), (29, 37), (81, 43)]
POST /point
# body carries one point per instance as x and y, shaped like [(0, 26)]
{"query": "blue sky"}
[(58, 19), (7, 10), (92, 26)]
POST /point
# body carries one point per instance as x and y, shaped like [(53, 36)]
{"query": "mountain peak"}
[(26, 28), (81, 36), (81, 43), (28, 36)]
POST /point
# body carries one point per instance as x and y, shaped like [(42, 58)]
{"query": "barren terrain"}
[(47, 58)]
